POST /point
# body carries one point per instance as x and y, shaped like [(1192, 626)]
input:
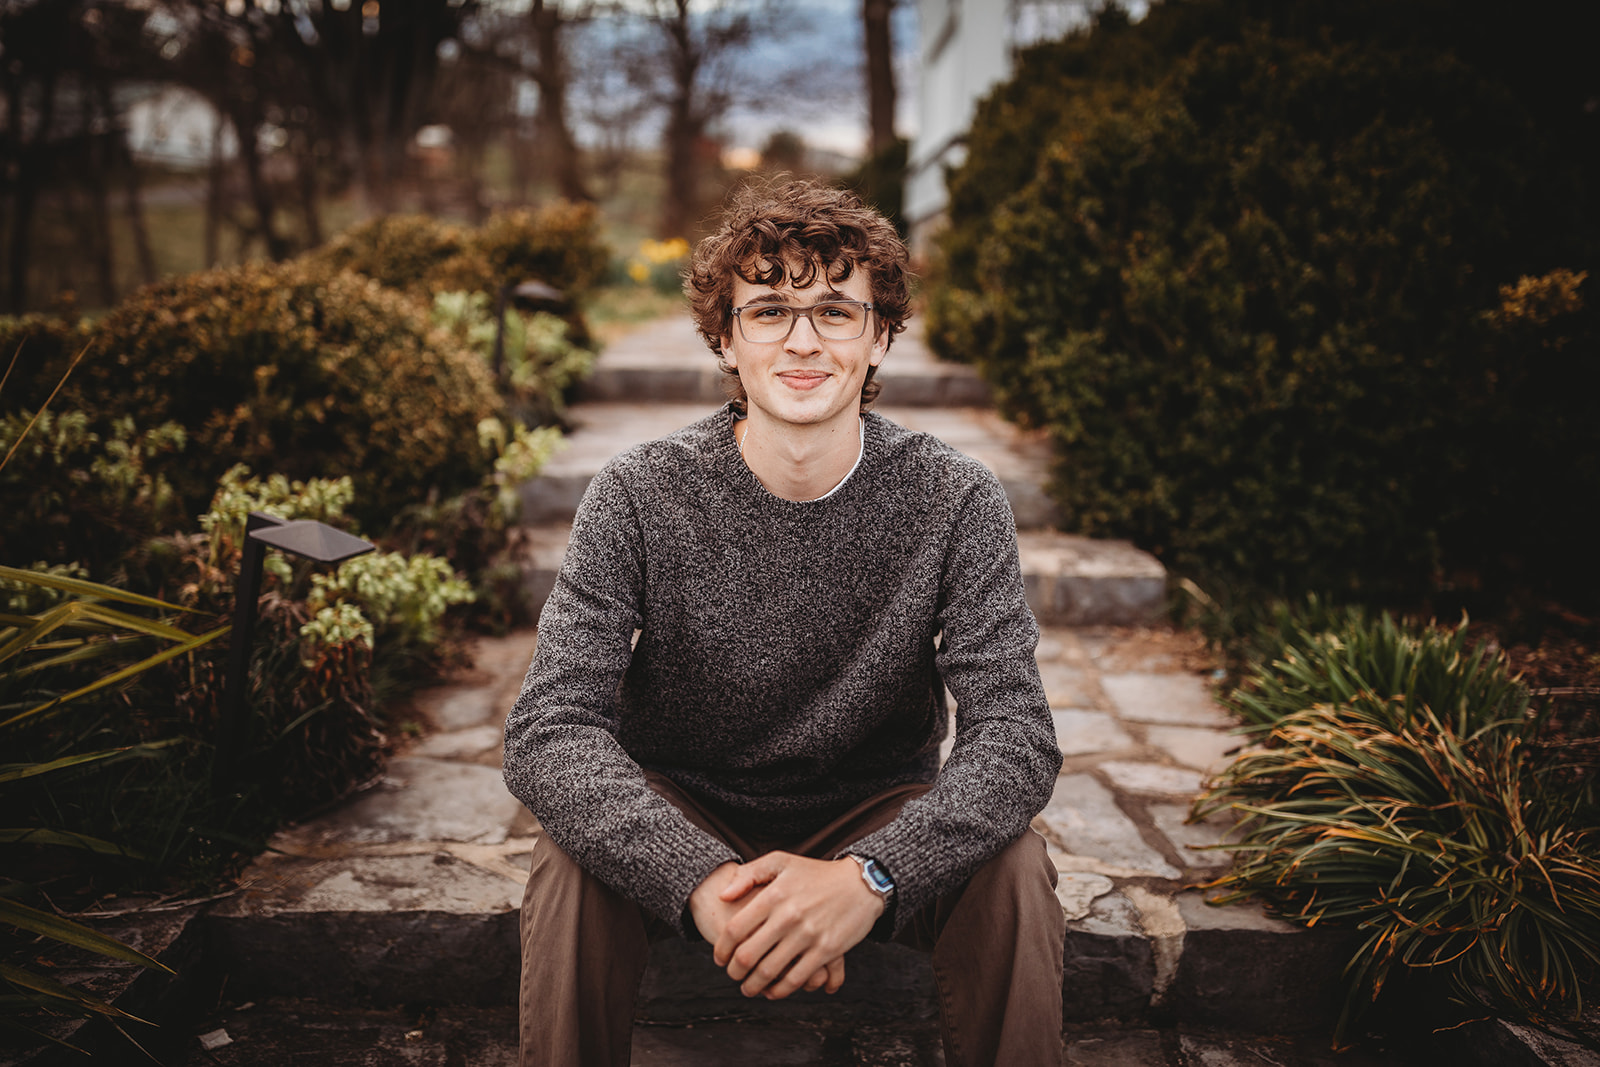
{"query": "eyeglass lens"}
[(840, 321)]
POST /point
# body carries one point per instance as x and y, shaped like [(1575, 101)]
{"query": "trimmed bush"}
[(299, 371), (400, 251), (1250, 280), (558, 244)]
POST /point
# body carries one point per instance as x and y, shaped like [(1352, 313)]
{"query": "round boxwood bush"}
[(297, 370), (1253, 283), (400, 251), (558, 244)]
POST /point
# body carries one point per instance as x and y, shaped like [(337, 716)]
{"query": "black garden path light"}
[(526, 295), (306, 538)]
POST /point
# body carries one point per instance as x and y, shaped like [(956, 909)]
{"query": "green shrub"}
[(400, 251), (540, 363), (73, 495), (1242, 276), (297, 370), (34, 350), (558, 244)]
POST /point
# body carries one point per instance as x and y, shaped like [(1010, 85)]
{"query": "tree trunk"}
[(30, 162), (683, 126), (305, 171), (557, 148), (132, 206), (248, 129), (880, 73), (214, 194), (97, 225)]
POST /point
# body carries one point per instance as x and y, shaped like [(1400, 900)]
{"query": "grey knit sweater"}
[(785, 666)]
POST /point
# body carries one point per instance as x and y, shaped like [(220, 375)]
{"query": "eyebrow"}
[(777, 298)]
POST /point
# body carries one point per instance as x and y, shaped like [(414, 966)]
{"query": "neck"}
[(800, 462)]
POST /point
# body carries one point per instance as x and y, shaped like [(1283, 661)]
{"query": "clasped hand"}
[(783, 922)]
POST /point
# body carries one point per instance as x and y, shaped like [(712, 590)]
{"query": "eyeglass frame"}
[(795, 314)]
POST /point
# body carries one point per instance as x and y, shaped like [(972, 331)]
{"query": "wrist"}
[(874, 876)]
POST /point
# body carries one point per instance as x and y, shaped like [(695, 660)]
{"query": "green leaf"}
[(75, 934), (122, 675), (36, 836), (17, 771), (59, 994), (83, 588)]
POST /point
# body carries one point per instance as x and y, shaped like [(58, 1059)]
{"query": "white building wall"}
[(967, 47), (965, 50)]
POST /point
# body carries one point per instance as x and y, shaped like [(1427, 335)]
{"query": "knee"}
[(1019, 872)]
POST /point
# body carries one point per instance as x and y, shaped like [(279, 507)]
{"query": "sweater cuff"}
[(693, 869)]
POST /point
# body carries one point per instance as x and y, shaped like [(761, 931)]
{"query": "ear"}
[(727, 353), (880, 347)]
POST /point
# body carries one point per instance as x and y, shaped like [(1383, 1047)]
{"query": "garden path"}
[(407, 894)]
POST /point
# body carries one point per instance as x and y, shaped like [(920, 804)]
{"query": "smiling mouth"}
[(803, 379)]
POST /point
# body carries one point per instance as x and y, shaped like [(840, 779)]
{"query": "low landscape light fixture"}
[(531, 294), (306, 538)]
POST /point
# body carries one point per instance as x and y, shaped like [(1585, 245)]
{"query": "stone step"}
[(666, 362), (409, 893), (416, 926), (1070, 580), (600, 431), (336, 1035)]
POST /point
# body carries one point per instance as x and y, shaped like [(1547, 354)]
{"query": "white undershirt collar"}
[(861, 450)]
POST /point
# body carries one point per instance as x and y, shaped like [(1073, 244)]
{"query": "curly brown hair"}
[(772, 228)]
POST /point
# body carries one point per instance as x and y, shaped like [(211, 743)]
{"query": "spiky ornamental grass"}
[(1321, 656), (1436, 835)]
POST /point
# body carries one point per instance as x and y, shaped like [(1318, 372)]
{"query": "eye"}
[(834, 311), (770, 314)]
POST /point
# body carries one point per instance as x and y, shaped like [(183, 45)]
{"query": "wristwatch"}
[(875, 876)]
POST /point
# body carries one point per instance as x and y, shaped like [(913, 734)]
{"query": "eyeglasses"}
[(834, 320)]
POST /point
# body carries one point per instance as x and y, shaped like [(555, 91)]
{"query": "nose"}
[(806, 341)]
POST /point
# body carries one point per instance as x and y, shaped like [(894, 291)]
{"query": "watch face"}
[(881, 881)]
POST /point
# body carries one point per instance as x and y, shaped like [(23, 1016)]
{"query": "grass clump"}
[(1300, 664), (1399, 786)]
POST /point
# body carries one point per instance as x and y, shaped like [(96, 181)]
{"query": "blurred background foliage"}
[(136, 442), (1302, 293)]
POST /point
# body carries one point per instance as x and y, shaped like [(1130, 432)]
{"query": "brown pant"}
[(996, 945)]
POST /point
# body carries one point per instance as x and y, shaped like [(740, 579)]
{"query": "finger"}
[(771, 968), (749, 953), (835, 973), (747, 876), (739, 928), (817, 980), (794, 977)]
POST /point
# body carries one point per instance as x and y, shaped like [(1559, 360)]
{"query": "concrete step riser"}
[(1268, 980), (552, 498), (1100, 583), (955, 387)]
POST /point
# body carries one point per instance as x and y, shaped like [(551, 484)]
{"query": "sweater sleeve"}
[(562, 758), (1005, 757)]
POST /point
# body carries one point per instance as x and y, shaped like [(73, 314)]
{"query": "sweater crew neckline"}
[(729, 448)]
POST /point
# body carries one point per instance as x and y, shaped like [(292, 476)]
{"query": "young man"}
[(731, 726)]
